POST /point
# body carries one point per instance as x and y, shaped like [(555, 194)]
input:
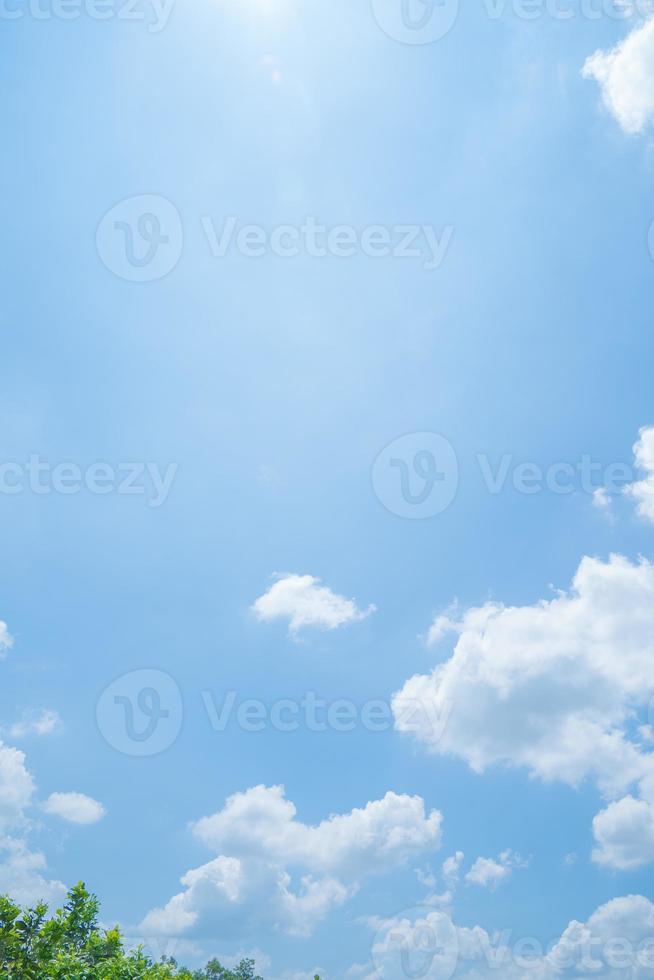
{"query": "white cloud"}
[(614, 942), (553, 687), (452, 867), (602, 500), (383, 834), (642, 491), (238, 897), (625, 75), (273, 870), (16, 787), (20, 868), (426, 877), (415, 944), (624, 834), (488, 872), (232, 960), (46, 722), (303, 601), (6, 640), (443, 624), (21, 874), (16, 784), (74, 807)]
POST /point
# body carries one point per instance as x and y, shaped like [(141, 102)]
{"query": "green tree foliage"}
[(70, 945)]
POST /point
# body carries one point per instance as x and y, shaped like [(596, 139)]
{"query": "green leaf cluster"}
[(70, 945)]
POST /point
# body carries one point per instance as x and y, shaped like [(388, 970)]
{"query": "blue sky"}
[(249, 396)]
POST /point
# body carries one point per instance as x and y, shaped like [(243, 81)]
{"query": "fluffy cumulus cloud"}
[(555, 687), (616, 941), (642, 491), (625, 75), (624, 834), (74, 808), (381, 835), (305, 602), (273, 870)]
